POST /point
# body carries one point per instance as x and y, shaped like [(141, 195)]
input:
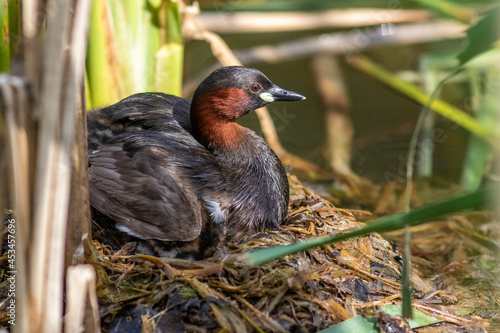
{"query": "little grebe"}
[(188, 174)]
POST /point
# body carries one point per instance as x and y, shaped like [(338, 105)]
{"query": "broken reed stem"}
[(82, 309)]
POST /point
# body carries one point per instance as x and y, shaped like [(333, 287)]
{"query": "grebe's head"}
[(234, 91)]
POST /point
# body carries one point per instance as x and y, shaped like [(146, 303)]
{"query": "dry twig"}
[(251, 22)]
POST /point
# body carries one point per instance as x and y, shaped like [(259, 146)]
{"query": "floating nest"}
[(304, 292)]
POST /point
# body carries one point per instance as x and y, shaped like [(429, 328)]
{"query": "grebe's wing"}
[(149, 183)]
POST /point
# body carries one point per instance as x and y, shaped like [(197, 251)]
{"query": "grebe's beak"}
[(276, 94)]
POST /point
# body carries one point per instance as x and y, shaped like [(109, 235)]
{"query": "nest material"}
[(305, 292)]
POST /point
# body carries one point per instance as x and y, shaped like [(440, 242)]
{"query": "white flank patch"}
[(267, 97), (214, 210), (126, 230)]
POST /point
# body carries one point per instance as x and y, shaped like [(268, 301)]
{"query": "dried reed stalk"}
[(353, 41), (40, 131), (251, 22), (82, 299), (14, 105)]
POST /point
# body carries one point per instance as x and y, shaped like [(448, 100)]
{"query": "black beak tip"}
[(287, 95)]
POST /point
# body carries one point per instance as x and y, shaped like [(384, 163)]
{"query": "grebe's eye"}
[(255, 87)]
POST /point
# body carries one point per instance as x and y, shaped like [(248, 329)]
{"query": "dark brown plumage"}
[(186, 174)]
